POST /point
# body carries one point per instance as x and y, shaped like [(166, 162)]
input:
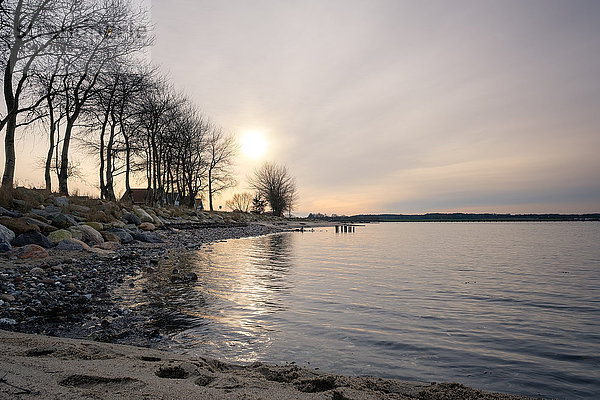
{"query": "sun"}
[(253, 144)]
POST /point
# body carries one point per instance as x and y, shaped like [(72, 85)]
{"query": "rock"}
[(79, 209), (122, 234), (7, 321), (61, 201), (29, 251), (6, 235), (148, 237), (98, 216), (21, 204), (116, 224), (36, 271), (18, 225), (5, 246), (89, 234), (108, 246), (8, 213), (32, 237), (189, 277), (132, 218), (81, 243), (7, 297), (142, 214), (110, 237), (59, 235), (63, 221), (147, 226), (100, 252), (47, 212), (156, 220), (69, 245), (96, 225), (44, 227)]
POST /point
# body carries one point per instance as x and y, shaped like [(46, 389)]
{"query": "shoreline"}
[(37, 366), (51, 336)]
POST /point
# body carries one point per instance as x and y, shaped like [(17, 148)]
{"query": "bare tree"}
[(221, 153), (274, 183), (94, 56), (240, 202), (29, 32)]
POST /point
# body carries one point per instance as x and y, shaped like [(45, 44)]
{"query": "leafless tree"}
[(274, 183), (93, 56), (221, 155), (31, 31), (240, 202)]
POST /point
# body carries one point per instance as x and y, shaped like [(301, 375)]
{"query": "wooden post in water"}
[(337, 229)]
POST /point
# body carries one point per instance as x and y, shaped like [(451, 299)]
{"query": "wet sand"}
[(43, 367)]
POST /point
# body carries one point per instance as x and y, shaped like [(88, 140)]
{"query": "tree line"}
[(76, 69)]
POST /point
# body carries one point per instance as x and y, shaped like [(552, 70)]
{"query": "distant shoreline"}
[(457, 217)]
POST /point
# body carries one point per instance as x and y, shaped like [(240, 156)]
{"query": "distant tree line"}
[(76, 69), (455, 217)]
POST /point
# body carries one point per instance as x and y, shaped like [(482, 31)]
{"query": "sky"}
[(400, 106)]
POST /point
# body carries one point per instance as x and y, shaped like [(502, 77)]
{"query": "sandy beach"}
[(42, 367)]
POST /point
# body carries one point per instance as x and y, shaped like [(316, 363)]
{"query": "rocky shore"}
[(59, 263)]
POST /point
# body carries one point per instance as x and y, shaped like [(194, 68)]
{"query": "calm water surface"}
[(512, 307)]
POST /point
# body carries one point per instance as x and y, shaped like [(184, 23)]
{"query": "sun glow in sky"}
[(389, 105), (253, 144)]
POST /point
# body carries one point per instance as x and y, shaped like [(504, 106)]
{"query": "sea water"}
[(510, 307)]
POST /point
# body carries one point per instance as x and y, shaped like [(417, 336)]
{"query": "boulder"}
[(148, 237), (63, 221), (147, 226), (76, 233), (98, 216), (156, 220), (122, 234), (59, 235), (18, 225), (44, 227), (96, 225), (5, 246), (88, 234), (142, 214), (32, 237), (70, 245), (8, 213), (110, 237), (29, 251), (34, 215), (61, 201), (48, 212), (79, 209), (116, 224), (132, 219), (6, 235)]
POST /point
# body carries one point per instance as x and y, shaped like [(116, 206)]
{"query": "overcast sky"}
[(397, 106)]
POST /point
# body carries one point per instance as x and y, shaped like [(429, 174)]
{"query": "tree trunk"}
[(63, 175), (12, 105), (9, 152), (210, 202), (47, 175)]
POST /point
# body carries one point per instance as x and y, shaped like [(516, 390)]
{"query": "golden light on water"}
[(253, 144)]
